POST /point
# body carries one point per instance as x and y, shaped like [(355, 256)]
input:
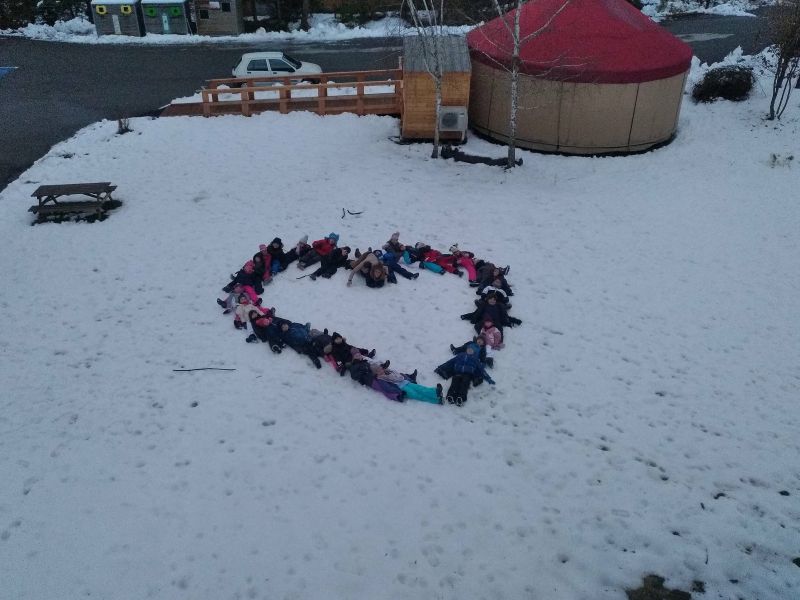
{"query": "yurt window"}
[(100, 9), (176, 11), (151, 11), (126, 9)]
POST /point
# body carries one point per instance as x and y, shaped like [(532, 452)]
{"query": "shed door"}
[(165, 22), (115, 21)]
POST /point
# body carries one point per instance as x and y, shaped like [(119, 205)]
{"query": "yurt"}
[(596, 77)]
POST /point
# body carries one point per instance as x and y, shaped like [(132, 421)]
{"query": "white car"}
[(261, 64)]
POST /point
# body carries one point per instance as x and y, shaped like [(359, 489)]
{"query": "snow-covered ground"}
[(645, 415), (324, 27)]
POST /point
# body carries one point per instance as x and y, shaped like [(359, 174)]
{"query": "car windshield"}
[(292, 61)]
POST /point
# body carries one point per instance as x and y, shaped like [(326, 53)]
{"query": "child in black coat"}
[(331, 263)]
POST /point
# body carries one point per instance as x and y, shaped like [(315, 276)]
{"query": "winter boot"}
[(275, 348), (453, 349), (413, 376), (371, 354), (222, 303), (251, 338), (490, 362), (316, 362), (439, 392), (414, 276)]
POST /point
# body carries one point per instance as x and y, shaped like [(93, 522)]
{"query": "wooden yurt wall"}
[(576, 118)]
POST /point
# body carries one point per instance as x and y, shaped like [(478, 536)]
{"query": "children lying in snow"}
[(331, 263), (371, 267), (462, 369), (406, 384), (232, 299), (242, 311), (318, 249), (342, 352), (264, 330), (490, 308), (251, 282), (298, 337)]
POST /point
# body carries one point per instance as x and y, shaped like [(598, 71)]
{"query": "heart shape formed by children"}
[(412, 324)]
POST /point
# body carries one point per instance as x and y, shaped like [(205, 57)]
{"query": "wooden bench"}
[(49, 205)]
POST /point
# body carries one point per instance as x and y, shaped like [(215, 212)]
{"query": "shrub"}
[(729, 83)]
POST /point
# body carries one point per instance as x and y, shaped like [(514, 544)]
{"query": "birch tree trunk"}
[(437, 82)]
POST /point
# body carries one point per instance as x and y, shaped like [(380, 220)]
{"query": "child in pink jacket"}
[(494, 340)]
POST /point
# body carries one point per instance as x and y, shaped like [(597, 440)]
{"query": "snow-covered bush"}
[(732, 82)]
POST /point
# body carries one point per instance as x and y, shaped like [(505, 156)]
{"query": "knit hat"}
[(327, 349), (395, 236), (278, 241), (244, 299), (454, 249), (333, 236), (488, 320), (262, 247), (249, 266), (474, 347), (303, 240)]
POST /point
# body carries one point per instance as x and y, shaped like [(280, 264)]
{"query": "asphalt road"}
[(58, 88)]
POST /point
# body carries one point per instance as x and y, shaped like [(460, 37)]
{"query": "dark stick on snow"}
[(204, 369), (350, 212), (343, 213), (303, 276)]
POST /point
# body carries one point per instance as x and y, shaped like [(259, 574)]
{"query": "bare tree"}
[(428, 22), (784, 25), (510, 20)]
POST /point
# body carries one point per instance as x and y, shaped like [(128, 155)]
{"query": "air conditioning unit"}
[(453, 119)]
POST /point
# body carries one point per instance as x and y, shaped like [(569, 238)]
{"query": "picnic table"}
[(49, 203)]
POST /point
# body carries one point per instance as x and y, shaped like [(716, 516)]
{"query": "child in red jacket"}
[(318, 249)]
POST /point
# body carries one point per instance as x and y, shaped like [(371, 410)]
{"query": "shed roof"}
[(589, 41), (453, 53)]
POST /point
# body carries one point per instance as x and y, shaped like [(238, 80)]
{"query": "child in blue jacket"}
[(463, 368)]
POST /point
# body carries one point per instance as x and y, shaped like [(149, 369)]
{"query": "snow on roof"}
[(163, 1), (453, 53), (101, 2)]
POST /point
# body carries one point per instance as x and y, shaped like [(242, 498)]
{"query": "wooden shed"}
[(220, 17), (419, 92), (166, 16), (118, 17)]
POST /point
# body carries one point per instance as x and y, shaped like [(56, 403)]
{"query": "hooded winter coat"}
[(324, 246), (493, 337), (297, 336), (467, 363)]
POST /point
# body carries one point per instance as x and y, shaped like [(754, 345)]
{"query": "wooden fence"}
[(373, 93)]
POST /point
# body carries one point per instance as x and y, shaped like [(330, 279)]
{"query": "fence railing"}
[(361, 92)]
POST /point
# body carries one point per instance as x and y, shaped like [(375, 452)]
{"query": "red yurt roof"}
[(588, 41)]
